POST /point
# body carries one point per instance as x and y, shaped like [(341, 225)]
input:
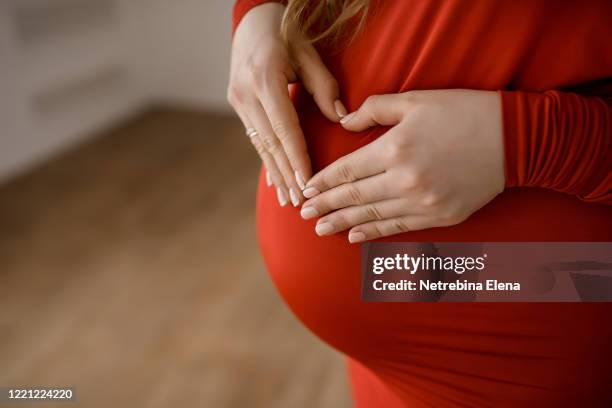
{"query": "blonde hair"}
[(318, 20)]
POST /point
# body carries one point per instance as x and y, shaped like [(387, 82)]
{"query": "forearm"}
[(561, 141)]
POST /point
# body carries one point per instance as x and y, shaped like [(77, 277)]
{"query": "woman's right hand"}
[(262, 67)]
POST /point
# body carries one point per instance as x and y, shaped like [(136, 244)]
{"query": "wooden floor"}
[(129, 270)]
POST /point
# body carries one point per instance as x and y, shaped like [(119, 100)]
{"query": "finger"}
[(361, 163), (271, 145), (273, 175), (391, 226), (360, 192), (360, 214), (284, 123), (268, 179), (386, 110), (319, 82)]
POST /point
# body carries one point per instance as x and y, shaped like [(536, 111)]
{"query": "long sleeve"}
[(561, 141), (241, 7)]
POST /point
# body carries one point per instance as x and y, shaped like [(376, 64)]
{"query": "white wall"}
[(182, 50), (69, 68)]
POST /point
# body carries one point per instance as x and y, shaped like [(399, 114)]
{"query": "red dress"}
[(552, 62)]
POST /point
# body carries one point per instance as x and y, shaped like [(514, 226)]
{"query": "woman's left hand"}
[(442, 161)]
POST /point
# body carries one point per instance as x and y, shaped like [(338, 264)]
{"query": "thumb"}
[(383, 110), (319, 82)]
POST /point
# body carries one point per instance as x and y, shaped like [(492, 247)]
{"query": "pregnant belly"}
[(445, 353), (439, 352)]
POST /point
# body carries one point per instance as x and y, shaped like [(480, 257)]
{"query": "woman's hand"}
[(262, 67), (442, 160)]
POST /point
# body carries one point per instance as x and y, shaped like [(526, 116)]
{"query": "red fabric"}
[(552, 63), (561, 141)]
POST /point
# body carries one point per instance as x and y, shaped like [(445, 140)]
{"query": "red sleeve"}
[(243, 6), (561, 141)]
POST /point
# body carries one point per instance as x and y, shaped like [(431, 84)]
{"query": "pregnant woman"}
[(428, 121)]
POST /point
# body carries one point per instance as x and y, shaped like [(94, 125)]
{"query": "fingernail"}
[(348, 117), (295, 200), (309, 212), (299, 180), (310, 192), (268, 179), (340, 109), (282, 198), (324, 228), (356, 237)]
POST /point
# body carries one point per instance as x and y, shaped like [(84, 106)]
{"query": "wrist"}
[(262, 19)]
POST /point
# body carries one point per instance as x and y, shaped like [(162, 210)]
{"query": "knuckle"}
[(257, 76), (354, 194), (407, 104), (432, 199), (258, 145), (409, 96), (374, 107), (372, 212), (281, 130), (270, 144), (409, 181), (229, 96), (377, 231), (371, 101), (233, 95), (339, 221), (396, 151), (330, 84), (399, 225), (393, 152), (252, 65), (403, 144), (345, 172), (369, 105)]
